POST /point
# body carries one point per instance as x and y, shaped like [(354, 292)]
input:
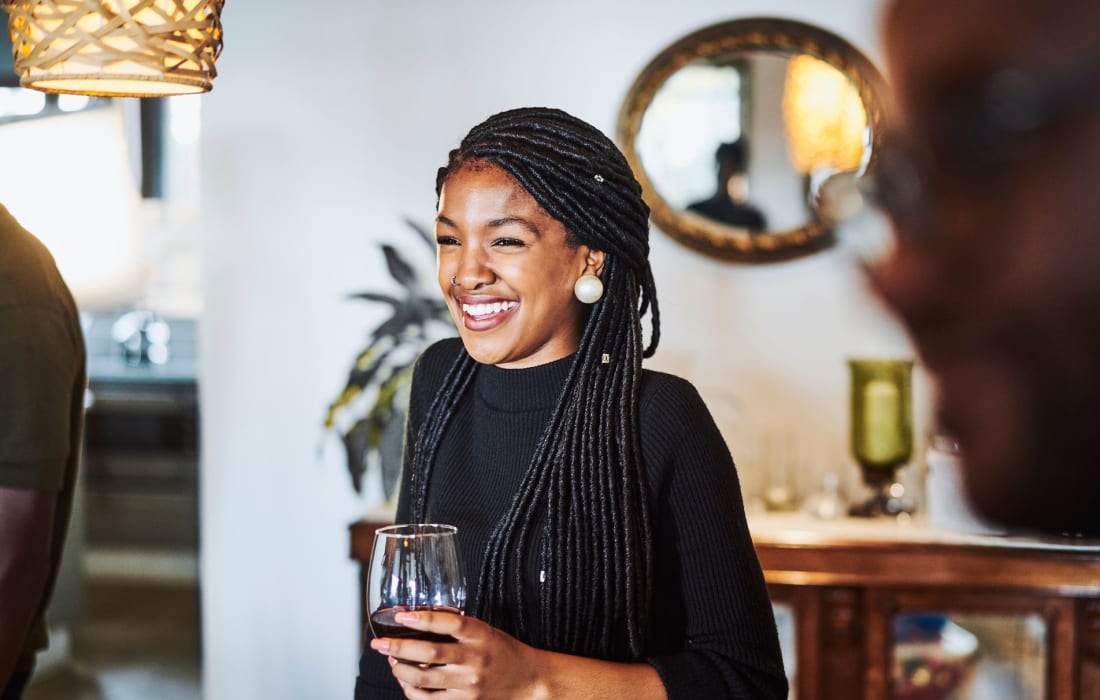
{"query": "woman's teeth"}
[(488, 309)]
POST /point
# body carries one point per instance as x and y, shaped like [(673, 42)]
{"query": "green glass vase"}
[(881, 422)]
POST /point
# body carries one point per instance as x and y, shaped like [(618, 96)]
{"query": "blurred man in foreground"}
[(993, 184), (42, 379)]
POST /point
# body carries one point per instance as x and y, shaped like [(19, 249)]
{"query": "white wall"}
[(324, 129), (67, 180)]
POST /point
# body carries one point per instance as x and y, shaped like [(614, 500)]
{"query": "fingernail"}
[(382, 645), (406, 617)]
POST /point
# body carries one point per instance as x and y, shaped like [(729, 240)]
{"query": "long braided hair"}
[(584, 493)]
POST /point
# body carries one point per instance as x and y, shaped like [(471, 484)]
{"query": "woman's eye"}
[(446, 240), (508, 242)]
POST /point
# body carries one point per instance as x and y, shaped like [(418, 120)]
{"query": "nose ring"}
[(454, 280)]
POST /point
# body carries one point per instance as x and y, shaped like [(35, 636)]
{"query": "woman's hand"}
[(484, 663)]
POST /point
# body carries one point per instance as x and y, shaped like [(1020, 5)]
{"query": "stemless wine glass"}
[(414, 567)]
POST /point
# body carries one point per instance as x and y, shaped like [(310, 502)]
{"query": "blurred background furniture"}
[(852, 586), (141, 446)]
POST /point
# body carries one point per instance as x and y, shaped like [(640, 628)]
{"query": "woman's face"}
[(512, 297)]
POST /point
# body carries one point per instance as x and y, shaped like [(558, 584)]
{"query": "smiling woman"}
[(600, 524), (507, 270)]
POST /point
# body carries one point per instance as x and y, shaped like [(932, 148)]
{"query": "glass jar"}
[(948, 504)]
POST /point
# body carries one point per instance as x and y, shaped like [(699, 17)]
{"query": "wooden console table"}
[(845, 580)]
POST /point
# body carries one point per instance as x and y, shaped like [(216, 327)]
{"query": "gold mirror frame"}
[(723, 40)]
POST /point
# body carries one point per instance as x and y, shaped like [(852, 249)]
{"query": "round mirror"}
[(749, 136)]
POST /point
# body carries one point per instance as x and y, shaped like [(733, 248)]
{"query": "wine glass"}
[(414, 567), (881, 430)]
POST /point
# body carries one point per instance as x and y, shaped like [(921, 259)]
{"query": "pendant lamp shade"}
[(116, 48)]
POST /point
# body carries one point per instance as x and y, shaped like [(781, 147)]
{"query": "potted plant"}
[(369, 414)]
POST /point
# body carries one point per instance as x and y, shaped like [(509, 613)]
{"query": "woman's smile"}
[(485, 314)]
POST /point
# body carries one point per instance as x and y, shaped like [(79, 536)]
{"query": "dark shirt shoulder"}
[(675, 424), (428, 374), (436, 359), (664, 393), (42, 364)]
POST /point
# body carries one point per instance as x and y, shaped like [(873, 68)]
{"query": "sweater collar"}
[(527, 389)]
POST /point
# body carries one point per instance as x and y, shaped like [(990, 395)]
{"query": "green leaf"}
[(399, 269), (375, 370), (422, 232), (390, 449), (374, 296), (356, 447)]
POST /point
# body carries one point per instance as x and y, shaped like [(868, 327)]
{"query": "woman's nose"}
[(473, 271)]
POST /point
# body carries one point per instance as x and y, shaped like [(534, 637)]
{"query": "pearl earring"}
[(588, 289)]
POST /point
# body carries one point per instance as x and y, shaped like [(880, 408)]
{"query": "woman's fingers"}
[(423, 680), (422, 676), (459, 669), (442, 626), (436, 622), (417, 651)]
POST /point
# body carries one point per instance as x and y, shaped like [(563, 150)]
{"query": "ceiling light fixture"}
[(116, 48)]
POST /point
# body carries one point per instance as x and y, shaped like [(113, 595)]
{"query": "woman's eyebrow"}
[(496, 223), (505, 221)]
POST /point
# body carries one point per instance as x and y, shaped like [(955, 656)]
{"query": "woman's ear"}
[(594, 261)]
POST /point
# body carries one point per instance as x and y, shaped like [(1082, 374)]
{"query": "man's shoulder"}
[(27, 267), (34, 316)]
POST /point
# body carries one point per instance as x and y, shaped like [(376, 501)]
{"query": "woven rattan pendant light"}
[(116, 48)]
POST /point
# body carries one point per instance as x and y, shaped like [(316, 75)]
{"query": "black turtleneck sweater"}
[(713, 634)]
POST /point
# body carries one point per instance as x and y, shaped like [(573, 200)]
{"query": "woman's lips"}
[(483, 316)]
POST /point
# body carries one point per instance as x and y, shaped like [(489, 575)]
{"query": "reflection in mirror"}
[(748, 137), (698, 108)]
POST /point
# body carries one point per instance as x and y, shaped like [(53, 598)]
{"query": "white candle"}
[(881, 421)]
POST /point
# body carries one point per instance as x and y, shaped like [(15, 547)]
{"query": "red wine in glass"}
[(382, 622)]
